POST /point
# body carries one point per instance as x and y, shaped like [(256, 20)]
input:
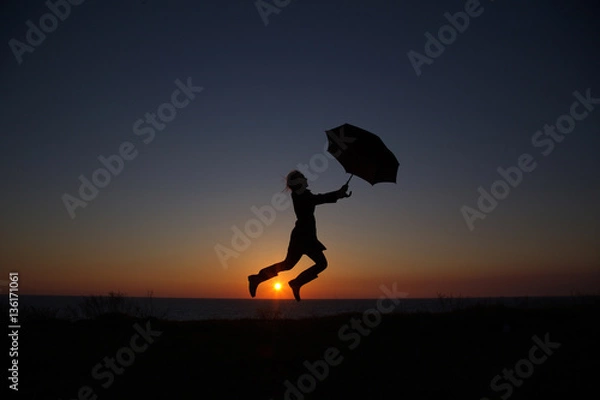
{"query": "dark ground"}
[(451, 355)]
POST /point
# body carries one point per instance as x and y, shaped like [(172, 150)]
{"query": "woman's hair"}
[(294, 179)]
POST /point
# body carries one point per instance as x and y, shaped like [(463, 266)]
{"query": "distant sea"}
[(181, 309)]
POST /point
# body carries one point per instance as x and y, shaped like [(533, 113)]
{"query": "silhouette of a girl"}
[(303, 239)]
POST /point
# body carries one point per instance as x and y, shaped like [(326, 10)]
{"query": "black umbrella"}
[(363, 154)]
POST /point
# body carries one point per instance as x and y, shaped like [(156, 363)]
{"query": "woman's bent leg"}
[(269, 272), (310, 274)]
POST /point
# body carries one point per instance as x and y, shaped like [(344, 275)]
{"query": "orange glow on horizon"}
[(334, 283), (353, 272)]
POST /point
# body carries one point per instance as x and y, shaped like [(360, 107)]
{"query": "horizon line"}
[(449, 296)]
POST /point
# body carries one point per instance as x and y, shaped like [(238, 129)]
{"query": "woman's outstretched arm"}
[(331, 197)]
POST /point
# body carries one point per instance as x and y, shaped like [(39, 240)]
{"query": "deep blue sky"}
[(269, 94)]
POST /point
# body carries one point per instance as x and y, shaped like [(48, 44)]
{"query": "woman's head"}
[(296, 181)]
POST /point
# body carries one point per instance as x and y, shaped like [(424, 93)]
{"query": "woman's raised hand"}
[(343, 192)]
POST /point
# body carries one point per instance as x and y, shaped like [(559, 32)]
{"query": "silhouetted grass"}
[(115, 305), (418, 355)]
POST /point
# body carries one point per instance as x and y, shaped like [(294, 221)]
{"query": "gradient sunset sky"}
[(269, 93)]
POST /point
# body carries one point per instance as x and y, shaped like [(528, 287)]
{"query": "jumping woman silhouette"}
[(303, 239)]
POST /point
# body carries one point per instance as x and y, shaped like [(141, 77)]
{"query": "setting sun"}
[(277, 286)]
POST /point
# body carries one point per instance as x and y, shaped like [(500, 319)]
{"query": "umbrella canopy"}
[(362, 153)]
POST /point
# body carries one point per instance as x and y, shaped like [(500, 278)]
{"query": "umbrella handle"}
[(348, 181)]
